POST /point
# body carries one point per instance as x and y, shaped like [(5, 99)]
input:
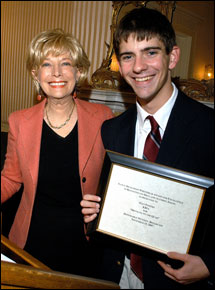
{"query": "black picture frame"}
[(179, 177)]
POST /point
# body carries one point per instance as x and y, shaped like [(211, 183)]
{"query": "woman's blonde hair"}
[(56, 42)]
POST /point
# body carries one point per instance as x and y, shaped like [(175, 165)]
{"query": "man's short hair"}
[(145, 23)]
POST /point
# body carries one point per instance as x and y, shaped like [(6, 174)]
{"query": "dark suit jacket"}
[(187, 144)]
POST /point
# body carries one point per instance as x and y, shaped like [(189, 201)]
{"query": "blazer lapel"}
[(126, 136), (31, 133), (86, 134)]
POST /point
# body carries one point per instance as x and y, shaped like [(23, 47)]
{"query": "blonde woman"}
[(56, 152)]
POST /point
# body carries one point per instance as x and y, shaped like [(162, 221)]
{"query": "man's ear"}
[(174, 57)]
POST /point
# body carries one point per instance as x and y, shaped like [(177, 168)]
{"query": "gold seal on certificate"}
[(149, 204)]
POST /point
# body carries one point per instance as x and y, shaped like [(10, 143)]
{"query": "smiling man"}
[(146, 68), (146, 50)]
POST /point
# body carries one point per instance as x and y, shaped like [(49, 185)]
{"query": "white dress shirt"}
[(143, 125)]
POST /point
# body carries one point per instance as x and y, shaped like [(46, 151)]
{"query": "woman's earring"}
[(39, 98), (74, 94)]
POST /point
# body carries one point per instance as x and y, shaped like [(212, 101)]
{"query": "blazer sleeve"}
[(11, 177)]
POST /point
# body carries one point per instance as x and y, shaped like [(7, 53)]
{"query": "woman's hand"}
[(90, 207), (193, 270)]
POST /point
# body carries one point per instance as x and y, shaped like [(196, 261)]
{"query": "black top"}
[(56, 235)]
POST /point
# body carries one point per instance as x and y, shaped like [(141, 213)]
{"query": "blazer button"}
[(119, 263), (84, 179)]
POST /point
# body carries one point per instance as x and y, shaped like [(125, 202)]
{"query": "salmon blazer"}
[(23, 154)]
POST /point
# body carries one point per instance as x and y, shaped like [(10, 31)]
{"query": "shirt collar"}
[(162, 115)]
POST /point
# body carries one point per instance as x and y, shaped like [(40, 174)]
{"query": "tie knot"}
[(153, 122)]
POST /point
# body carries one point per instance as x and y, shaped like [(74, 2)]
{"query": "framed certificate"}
[(149, 204)]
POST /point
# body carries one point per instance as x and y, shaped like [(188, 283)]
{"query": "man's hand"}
[(193, 270), (90, 207)]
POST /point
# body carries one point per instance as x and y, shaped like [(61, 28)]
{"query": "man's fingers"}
[(89, 204), (92, 197), (89, 218), (90, 210)]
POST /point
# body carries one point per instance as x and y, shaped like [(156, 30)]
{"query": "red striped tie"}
[(151, 148), (153, 141)]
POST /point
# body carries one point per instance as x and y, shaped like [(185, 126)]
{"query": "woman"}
[(55, 151)]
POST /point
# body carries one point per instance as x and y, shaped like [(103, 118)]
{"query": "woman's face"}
[(57, 76)]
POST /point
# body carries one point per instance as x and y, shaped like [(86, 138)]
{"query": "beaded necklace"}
[(62, 125)]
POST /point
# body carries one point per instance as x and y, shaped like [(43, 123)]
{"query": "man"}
[(146, 50)]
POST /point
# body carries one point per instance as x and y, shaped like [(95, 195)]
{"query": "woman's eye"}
[(66, 63), (45, 64)]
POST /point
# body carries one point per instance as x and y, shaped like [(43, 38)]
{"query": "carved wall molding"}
[(199, 90), (119, 101)]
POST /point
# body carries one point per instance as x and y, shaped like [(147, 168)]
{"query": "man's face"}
[(146, 68)]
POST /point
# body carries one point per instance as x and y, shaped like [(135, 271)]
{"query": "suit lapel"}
[(177, 134), (31, 131)]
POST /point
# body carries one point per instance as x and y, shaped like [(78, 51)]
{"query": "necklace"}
[(59, 127)]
